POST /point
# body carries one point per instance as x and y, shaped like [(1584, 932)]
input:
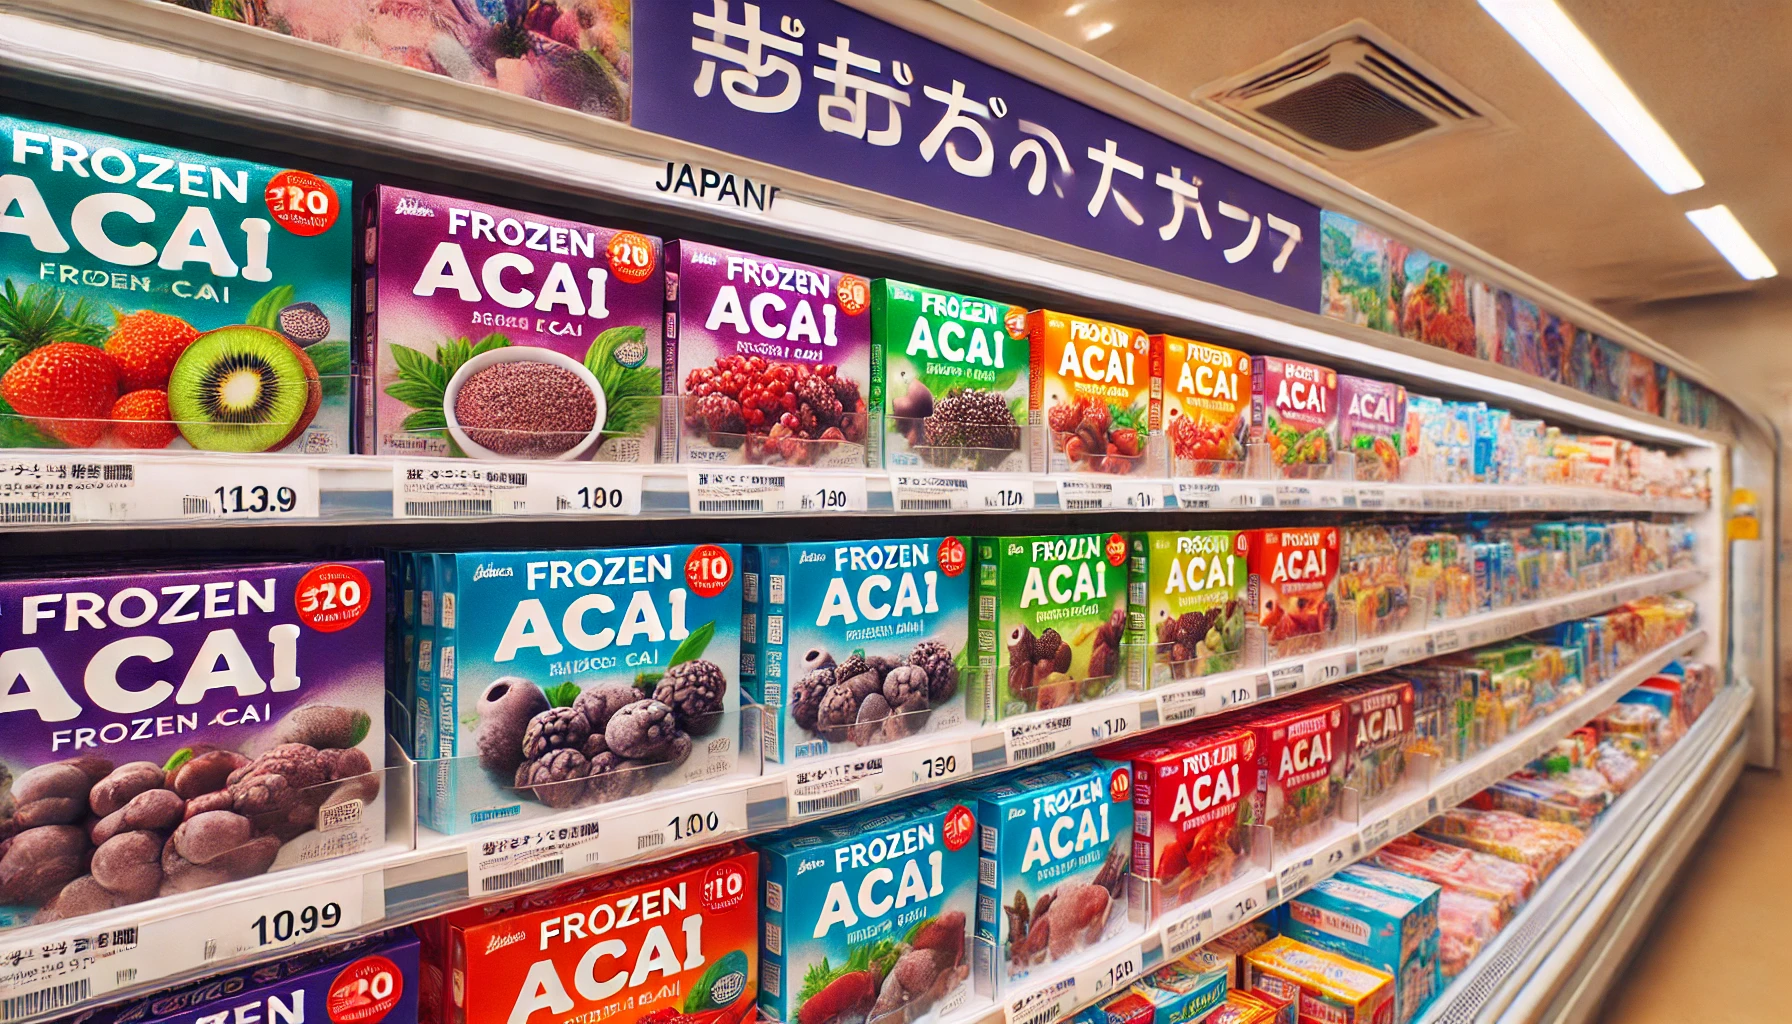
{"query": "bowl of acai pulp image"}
[(524, 403)]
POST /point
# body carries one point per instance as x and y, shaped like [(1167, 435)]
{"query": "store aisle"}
[(1734, 901)]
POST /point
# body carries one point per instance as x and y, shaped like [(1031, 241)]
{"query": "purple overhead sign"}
[(819, 87)]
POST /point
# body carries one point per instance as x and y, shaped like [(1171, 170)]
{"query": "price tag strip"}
[(526, 856), (1331, 667), (748, 490), (1094, 727), (1242, 903), (961, 492), (1043, 1005), (454, 489), (692, 821), (1183, 704), (1082, 494), (1109, 974), (1182, 935), (228, 933), (59, 489), (825, 789), (1288, 677), (1295, 878), (1034, 738)]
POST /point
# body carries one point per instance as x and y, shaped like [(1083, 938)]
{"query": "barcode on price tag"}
[(1077, 494), (694, 821), (1181, 705), (229, 489), (456, 489), (510, 860), (823, 789), (1287, 678), (1371, 657), (961, 492), (1042, 1005), (1371, 497), (1198, 494), (732, 491), (1181, 936), (1444, 641), (1033, 738)]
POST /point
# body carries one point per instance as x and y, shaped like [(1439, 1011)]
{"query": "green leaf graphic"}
[(266, 311), (693, 645)]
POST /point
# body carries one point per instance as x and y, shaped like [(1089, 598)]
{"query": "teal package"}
[(1055, 844), (1368, 925), (1182, 993), (858, 642), (571, 678), (867, 917), (423, 686), (177, 272)]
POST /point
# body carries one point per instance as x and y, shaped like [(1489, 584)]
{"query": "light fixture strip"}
[(1730, 238)]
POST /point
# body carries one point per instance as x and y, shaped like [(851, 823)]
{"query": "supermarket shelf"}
[(54, 490), (211, 929), (1557, 956), (1117, 964)]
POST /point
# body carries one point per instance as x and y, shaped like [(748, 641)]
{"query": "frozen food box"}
[(1301, 754), (1294, 411), (172, 730), (1291, 594), (1192, 812), (949, 374), (1329, 987), (1098, 389), (868, 917), (1051, 878), (1372, 426), (669, 941), (1207, 406), (570, 678), (1378, 720), (1185, 991), (1186, 603), (503, 334), (771, 360), (1366, 924), (864, 642), (1051, 621), (370, 980), (163, 298)]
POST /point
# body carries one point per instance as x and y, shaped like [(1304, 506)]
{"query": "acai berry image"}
[(526, 408)]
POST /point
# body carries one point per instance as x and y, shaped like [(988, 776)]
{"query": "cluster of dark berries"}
[(613, 741), (1084, 430), (872, 699), (84, 835), (778, 411), (1039, 666)]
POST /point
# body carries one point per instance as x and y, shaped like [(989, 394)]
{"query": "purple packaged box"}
[(771, 360), (499, 334), (372, 980), (1372, 425), (167, 731)]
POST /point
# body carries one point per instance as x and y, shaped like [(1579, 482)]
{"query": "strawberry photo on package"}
[(1291, 591)]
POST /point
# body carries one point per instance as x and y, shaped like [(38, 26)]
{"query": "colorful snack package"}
[(1128, 1007), (1191, 813), (1098, 389), (1187, 990), (1241, 939), (1207, 406), (1378, 718), (1372, 426), (1330, 987), (1189, 621), (1301, 756), (1051, 880), (501, 334), (949, 374), (1051, 621), (1291, 593), (869, 915), (1539, 845), (771, 359), (1372, 578), (1258, 1005), (1368, 925), (1507, 883), (1294, 412)]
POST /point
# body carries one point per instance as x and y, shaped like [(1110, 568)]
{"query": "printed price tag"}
[(1034, 738), (1332, 667), (1079, 494), (736, 491), (233, 490), (1443, 641), (823, 789), (1407, 649), (1296, 495), (525, 856), (932, 765), (459, 489), (1182, 935), (1102, 725), (961, 492), (1287, 677), (1369, 498), (583, 489), (830, 493), (1406, 499), (1240, 905), (1377, 834), (1298, 876), (1330, 493), (1042, 1005), (1110, 973), (693, 821), (226, 933), (100, 489), (1181, 705), (58, 972), (1198, 494), (1238, 694), (1371, 657)]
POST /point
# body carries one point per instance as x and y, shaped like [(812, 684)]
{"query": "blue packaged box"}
[(1368, 925), (868, 916), (371, 980), (1187, 990), (858, 642), (1055, 846), (569, 678)]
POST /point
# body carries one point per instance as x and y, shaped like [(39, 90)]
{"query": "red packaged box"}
[(1301, 757), (1378, 720), (1190, 813), (1292, 591), (678, 939)]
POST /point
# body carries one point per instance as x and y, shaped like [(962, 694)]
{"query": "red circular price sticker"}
[(961, 825), (303, 203), (1120, 785), (1116, 549), (724, 888), (631, 257), (951, 556), (708, 570), (1241, 544), (853, 294), (332, 597), (365, 991)]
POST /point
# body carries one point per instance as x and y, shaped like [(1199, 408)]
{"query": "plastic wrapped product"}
[(1465, 922), (1620, 763), (1186, 603), (1576, 797), (1539, 845), (1481, 874), (1330, 987), (1372, 578)]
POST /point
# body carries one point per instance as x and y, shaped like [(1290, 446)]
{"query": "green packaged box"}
[(949, 377), (1051, 621), (1186, 603)]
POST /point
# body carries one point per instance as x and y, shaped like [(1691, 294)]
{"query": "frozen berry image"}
[(694, 690)]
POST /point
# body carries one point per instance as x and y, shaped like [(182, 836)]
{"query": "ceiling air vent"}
[(1351, 93)]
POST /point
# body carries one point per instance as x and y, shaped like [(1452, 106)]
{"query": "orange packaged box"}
[(1207, 406), (1330, 988), (678, 939), (1098, 389)]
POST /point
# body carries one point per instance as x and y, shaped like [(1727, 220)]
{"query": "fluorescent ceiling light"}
[(1729, 237), (1074, 9), (1096, 31), (1570, 57)]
